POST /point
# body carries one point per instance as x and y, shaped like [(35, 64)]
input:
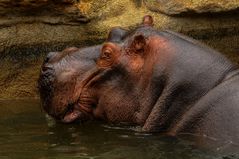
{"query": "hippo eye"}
[(106, 54)]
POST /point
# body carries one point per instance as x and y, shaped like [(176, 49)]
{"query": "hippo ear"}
[(148, 20), (138, 44)]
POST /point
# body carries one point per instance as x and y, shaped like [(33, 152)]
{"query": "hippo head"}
[(63, 77), (60, 73)]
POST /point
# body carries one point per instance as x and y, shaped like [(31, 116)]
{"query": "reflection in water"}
[(26, 133)]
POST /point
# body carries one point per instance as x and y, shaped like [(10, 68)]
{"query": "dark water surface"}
[(25, 133)]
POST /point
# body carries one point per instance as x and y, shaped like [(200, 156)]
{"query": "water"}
[(25, 133)]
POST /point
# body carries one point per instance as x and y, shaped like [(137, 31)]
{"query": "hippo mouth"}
[(77, 111), (83, 107)]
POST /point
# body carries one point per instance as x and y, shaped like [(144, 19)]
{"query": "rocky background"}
[(31, 28)]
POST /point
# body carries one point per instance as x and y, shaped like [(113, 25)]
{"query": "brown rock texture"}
[(176, 7), (29, 29)]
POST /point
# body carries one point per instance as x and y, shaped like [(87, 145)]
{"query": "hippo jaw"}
[(84, 99), (70, 97), (68, 101), (61, 84)]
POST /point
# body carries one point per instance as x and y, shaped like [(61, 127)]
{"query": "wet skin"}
[(160, 80)]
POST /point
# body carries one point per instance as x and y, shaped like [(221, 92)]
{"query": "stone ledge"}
[(175, 7)]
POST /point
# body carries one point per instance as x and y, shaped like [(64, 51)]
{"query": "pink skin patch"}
[(72, 116), (81, 112)]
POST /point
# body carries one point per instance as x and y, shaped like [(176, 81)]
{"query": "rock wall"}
[(31, 28), (176, 7)]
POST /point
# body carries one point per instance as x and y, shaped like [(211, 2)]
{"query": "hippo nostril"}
[(47, 69), (49, 56)]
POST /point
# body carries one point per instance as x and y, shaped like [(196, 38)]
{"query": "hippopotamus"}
[(160, 80)]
